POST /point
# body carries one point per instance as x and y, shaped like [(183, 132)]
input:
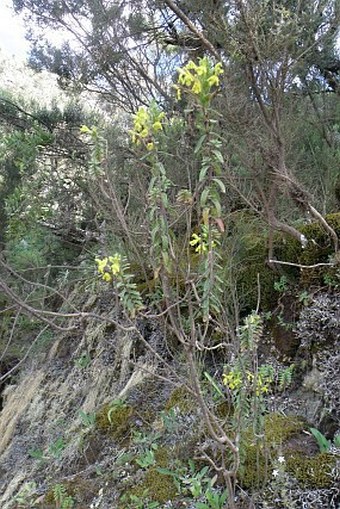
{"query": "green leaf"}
[(215, 142), (164, 199), (322, 441), (152, 183), (160, 167), (200, 143), (154, 233), (218, 156), (203, 172), (214, 384), (165, 471), (165, 241), (217, 206), (220, 184), (166, 259), (204, 197)]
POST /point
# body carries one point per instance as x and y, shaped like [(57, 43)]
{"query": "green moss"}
[(224, 409), (253, 468), (252, 256), (79, 489), (257, 453), (115, 420), (161, 487), (311, 472), (279, 428), (49, 498), (157, 487), (162, 457), (253, 270), (318, 250), (182, 399)]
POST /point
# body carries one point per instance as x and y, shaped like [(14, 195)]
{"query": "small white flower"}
[(275, 473), (303, 240), (281, 459)]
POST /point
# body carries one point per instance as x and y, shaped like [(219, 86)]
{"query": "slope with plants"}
[(170, 289)]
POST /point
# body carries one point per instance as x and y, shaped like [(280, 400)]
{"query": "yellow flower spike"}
[(107, 277), (181, 75), (150, 146), (185, 78), (142, 114)]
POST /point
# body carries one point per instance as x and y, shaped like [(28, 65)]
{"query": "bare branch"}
[(182, 16)]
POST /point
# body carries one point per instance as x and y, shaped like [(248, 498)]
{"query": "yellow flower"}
[(157, 126), (201, 243), (133, 136), (101, 264), (86, 130), (107, 277), (232, 380), (144, 133), (196, 239), (202, 248), (199, 77), (109, 266), (150, 146), (138, 127), (197, 87), (218, 69), (185, 77), (115, 263), (191, 65), (213, 80)]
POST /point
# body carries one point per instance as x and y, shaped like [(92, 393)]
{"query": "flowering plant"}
[(199, 78)]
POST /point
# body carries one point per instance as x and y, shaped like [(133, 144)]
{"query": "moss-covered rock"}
[(252, 255), (311, 472), (182, 399), (280, 428), (257, 453), (319, 249), (254, 271), (80, 490), (154, 486), (115, 420)]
